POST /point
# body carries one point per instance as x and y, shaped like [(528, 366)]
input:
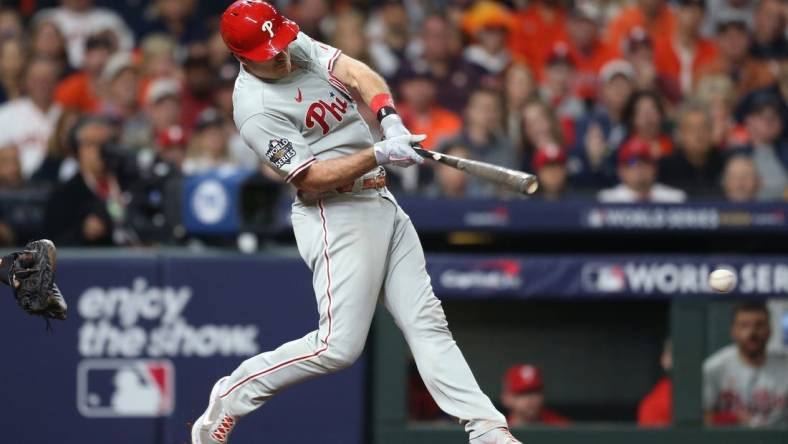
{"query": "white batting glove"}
[(398, 151), (392, 126)]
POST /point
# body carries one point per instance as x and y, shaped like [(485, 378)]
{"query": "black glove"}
[(31, 275)]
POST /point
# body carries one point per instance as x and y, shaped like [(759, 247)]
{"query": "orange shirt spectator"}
[(587, 51), (536, 27), (735, 61), (437, 123), (679, 56), (75, 92), (668, 62), (660, 22), (656, 409), (421, 113)]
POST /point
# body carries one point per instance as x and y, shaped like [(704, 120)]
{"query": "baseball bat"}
[(514, 180)]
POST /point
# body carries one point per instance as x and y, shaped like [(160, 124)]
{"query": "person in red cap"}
[(549, 163), (523, 395), (293, 107), (637, 170)]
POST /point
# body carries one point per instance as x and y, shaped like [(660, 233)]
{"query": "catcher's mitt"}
[(31, 275)]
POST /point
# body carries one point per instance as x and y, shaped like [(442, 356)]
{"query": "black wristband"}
[(386, 111), (5, 268)]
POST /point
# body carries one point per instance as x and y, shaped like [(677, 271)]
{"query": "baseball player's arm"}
[(373, 90), (360, 76), (329, 174)]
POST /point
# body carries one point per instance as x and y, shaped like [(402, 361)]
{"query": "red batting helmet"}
[(255, 30)]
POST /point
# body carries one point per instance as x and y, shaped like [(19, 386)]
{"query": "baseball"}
[(722, 280)]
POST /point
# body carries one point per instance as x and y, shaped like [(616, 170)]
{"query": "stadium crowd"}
[(615, 100)]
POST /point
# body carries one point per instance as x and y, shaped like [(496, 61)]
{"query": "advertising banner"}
[(146, 339)]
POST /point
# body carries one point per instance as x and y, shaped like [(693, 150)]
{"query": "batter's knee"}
[(337, 358)]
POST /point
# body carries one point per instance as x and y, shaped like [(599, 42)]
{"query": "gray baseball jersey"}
[(306, 116), (360, 246), (730, 385)]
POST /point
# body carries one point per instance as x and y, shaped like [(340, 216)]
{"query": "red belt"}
[(377, 183)]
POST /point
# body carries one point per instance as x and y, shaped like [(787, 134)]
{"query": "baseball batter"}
[(292, 106)]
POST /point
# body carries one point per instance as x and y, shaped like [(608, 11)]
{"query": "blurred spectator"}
[(519, 87), (422, 114), (719, 11), (550, 167), (740, 181), (311, 17), (208, 147), (86, 209), (440, 58), (162, 108), (523, 396), (489, 24), (483, 136), (540, 129), (602, 130), (388, 35), (656, 409), (27, 122), (696, 166), (770, 152), (120, 86), (348, 35), (13, 59), (654, 16), (637, 170), (60, 164), (716, 94), (639, 51), (80, 90), (587, 49), (680, 55), (645, 120), (769, 36), (735, 61), (451, 182), (558, 87), (47, 41), (171, 146), (79, 19), (10, 178), (10, 168), (744, 383), (176, 18), (197, 92), (535, 27), (483, 131), (158, 59), (11, 25)]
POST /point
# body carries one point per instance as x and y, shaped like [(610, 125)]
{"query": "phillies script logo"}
[(319, 111)]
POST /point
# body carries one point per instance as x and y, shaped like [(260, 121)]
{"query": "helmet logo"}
[(268, 26)]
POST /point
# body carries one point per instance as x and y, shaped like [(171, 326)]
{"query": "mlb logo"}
[(603, 278), (125, 388)]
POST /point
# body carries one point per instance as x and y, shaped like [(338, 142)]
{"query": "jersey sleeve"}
[(315, 56), (279, 144)]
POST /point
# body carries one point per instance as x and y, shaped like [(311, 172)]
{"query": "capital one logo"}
[(108, 388)]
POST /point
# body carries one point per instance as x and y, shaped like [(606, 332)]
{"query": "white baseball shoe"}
[(213, 426), (496, 436)]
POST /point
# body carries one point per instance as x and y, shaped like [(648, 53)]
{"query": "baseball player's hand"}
[(398, 150), (392, 126)]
